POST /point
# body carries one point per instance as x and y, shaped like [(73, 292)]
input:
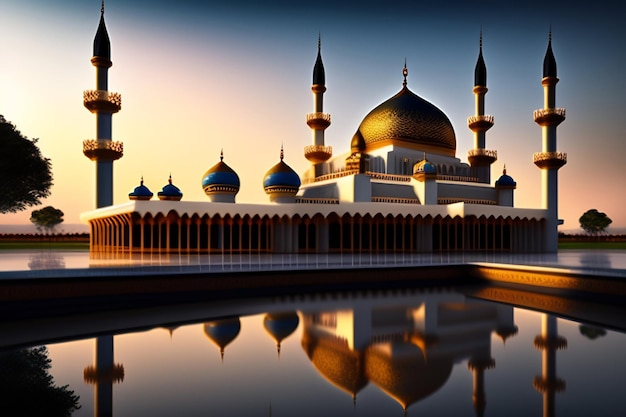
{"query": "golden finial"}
[(141, 182), (282, 152), (222, 155), (504, 170), (170, 180), (405, 72)]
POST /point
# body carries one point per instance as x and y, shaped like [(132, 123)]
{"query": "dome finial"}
[(141, 182), (222, 154), (481, 37), (282, 152), (504, 170), (405, 72), (102, 8), (319, 42), (170, 179)]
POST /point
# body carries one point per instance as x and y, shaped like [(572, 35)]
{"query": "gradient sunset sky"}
[(199, 76)]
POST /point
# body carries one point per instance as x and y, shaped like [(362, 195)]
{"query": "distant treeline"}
[(563, 237), (34, 237)]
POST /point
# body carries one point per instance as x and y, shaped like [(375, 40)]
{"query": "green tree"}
[(47, 219), (594, 221), (25, 175)]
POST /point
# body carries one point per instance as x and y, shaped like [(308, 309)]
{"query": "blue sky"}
[(199, 76)]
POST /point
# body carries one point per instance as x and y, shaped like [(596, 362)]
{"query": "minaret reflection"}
[(406, 346), (222, 332), (548, 384), (103, 375), (280, 326)]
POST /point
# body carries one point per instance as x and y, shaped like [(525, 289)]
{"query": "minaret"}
[(318, 121), (103, 374), (549, 160), (480, 158), (548, 384), (100, 101)]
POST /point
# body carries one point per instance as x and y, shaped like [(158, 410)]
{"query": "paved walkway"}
[(51, 263)]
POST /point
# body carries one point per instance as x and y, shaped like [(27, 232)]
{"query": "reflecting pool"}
[(415, 352)]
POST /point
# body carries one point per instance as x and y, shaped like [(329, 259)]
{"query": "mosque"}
[(399, 188)]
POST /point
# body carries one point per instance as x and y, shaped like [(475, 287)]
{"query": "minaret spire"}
[(405, 73), (318, 121), (549, 160), (480, 158), (103, 104)]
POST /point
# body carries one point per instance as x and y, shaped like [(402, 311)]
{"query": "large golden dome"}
[(410, 121)]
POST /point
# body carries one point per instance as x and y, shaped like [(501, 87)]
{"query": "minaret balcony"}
[(102, 101), (480, 123), (318, 153), (550, 160), (481, 157), (103, 149), (549, 117), (318, 120)]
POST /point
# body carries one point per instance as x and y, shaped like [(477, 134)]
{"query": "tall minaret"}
[(480, 158), (100, 101), (549, 160), (548, 384), (318, 121)]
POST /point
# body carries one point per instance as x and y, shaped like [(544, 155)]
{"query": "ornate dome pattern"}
[(220, 178), (409, 119)]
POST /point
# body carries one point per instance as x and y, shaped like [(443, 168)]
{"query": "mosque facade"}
[(399, 188)]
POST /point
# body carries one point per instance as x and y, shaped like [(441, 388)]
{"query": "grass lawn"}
[(593, 245), (35, 244)]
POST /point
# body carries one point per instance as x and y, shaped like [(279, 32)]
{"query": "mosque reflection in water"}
[(405, 347)]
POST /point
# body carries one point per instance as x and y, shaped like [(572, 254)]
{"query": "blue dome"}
[(505, 180), (281, 175), (425, 167), (141, 192), (170, 192), (281, 178), (220, 177)]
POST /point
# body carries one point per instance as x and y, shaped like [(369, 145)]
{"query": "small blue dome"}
[(281, 175), (505, 180), (170, 192), (281, 178), (220, 178), (424, 167), (141, 192)]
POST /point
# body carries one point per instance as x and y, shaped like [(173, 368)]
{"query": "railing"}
[(396, 200), (318, 116), (331, 176), (467, 201), (458, 178), (541, 113), (549, 156), (388, 177), (102, 144), (318, 153), (103, 149), (91, 96), (302, 200), (485, 118), (482, 152)]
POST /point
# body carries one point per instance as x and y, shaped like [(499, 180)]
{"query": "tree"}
[(28, 389), (47, 218), (594, 222), (25, 175)]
